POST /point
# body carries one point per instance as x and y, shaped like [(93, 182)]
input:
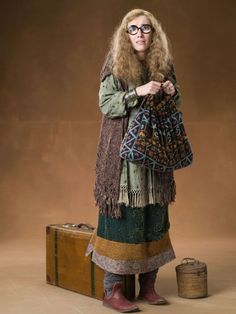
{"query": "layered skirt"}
[(138, 242)]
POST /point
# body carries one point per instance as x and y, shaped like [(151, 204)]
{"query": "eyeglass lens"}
[(145, 28)]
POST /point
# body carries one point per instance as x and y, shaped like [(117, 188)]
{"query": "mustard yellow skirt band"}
[(127, 251)]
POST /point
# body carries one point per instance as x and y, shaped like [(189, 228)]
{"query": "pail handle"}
[(188, 260)]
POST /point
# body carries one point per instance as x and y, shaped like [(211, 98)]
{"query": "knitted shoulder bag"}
[(156, 138)]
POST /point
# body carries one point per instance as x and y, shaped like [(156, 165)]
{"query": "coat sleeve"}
[(112, 98), (172, 77)]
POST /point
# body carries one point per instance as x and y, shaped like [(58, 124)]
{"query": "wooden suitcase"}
[(69, 268)]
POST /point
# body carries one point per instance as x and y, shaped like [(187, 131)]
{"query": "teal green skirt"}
[(137, 225), (136, 243)]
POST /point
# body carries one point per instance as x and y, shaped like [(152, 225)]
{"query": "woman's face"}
[(140, 38)]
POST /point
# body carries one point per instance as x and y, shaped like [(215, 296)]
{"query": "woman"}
[(132, 235)]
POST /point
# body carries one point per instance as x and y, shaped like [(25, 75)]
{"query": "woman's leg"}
[(114, 294), (147, 288), (150, 276), (110, 280)]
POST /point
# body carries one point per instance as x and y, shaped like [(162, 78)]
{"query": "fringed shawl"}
[(109, 163)]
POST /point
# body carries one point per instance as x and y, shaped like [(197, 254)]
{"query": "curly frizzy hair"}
[(126, 65)]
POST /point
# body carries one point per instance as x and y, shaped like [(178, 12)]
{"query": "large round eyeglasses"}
[(145, 29)]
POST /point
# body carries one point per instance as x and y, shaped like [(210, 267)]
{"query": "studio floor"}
[(23, 289)]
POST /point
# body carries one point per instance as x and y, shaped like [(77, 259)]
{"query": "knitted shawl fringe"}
[(163, 193)]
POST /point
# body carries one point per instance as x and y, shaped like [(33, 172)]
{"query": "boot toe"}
[(122, 308), (117, 301), (153, 299), (159, 301)]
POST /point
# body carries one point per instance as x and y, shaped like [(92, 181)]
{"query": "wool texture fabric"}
[(109, 163)]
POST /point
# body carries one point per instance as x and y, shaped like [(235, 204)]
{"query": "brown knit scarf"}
[(109, 163)]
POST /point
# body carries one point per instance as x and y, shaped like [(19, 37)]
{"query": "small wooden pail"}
[(191, 278)]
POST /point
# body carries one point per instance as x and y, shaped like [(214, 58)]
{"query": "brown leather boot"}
[(148, 293), (118, 302)]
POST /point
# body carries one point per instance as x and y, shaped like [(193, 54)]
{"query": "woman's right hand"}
[(151, 87)]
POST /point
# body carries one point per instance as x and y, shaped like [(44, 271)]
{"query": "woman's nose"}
[(139, 33)]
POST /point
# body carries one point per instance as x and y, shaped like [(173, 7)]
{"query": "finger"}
[(170, 90), (157, 89), (154, 90), (167, 83), (156, 84)]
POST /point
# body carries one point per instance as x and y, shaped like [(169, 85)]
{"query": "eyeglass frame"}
[(140, 28)]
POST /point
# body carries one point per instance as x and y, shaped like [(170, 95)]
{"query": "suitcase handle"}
[(83, 226), (187, 259)]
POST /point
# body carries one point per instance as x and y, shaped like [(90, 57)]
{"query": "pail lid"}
[(190, 265)]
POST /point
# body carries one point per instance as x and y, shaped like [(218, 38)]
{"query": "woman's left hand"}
[(168, 87)]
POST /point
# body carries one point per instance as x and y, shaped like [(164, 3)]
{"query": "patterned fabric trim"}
[(129, 251), (128, 267)]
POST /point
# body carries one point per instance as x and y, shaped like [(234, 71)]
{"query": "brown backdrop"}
[(50, 57)]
